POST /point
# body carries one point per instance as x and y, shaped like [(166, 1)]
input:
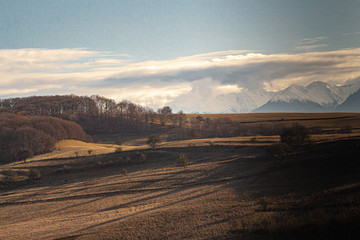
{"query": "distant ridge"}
[(316, 97), (351, 104)]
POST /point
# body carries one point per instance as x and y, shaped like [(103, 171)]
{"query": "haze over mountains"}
[(316, 97)]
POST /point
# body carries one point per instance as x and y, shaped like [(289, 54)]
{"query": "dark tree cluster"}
[(69, 106), (23, 136)]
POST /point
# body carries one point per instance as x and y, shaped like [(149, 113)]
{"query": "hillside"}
[(249, 187), (22, 137), (146, 194)]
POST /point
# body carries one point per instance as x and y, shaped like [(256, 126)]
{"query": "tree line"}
[(96, 114)]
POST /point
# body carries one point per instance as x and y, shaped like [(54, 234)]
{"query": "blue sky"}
[(150, 30), (82, 47)]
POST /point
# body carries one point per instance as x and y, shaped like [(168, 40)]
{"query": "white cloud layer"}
[(26, 72)]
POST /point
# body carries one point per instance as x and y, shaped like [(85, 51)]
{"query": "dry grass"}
[(215, 197), (230, 189), (310, 120)]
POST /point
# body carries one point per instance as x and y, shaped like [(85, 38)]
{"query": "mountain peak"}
[(317, 96), (318, 84)]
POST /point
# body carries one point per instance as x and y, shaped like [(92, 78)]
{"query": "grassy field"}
[(325, 120), (230, 189)]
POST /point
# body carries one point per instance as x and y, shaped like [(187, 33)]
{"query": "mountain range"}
[(316, 97)]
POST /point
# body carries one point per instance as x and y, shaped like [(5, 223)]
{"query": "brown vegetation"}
[(228, 192), (234, 187), (22, 137)]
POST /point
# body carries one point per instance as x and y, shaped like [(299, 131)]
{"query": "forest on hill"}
[(24, 136), (32, 125), (95, 114)]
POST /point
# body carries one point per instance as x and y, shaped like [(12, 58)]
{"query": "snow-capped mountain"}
[(351, 104), (244, 101), (317, 92), (316, 97)]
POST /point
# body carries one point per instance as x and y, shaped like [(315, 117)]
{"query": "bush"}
[(124, 171), (34, 175), (153, 141), (118, 141), (264, 203), (141, 156), (295, 135), (24, 154), (182, 160)]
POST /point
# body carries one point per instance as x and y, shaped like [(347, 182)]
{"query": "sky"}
[(153, 52)]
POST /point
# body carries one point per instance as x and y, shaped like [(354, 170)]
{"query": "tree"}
[(165, 110), (295, 135), (181, 118), (182, 160), (200, 119), (24, 154), (153, 141), (164, 114)]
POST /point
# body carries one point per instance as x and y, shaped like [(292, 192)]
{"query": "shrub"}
[(182, 160), (118, 141), (90, 152), (118, 150), (124, 171), (142, 156), (295, 135), (23, 154), (153, 141), (34, 175), (264, 203)]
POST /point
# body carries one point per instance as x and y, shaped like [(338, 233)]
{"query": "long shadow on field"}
[(146, 211), (75, 205), (322, 166), (144, 199)]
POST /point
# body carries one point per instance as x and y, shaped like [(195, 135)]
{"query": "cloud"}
[(308, 44), (156, 83), (351, 33), (310, 47)]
